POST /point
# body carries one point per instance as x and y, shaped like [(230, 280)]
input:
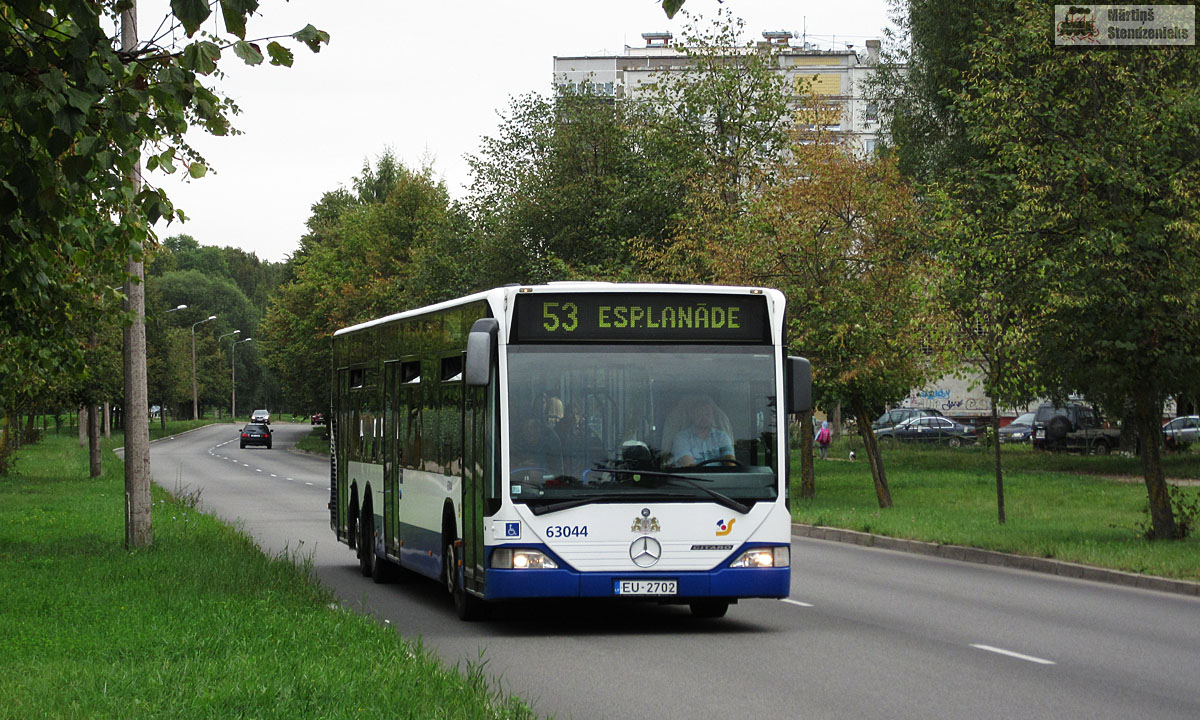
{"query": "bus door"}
[(476, 466), (392, 414)]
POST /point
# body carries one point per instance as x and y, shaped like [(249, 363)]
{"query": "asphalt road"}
[(867, 633)]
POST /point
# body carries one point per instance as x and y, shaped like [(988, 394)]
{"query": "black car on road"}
[(256, 434)]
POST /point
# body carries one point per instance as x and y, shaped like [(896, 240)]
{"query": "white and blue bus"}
[(571, 440)]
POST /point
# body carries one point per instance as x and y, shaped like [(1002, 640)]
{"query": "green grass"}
[(202, 624), (316, 441), (1059, 506)]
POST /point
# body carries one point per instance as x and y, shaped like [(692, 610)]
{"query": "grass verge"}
[(202, 624), (1089, 510), (316, 441)]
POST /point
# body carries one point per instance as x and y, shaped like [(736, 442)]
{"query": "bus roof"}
[(496, 296)]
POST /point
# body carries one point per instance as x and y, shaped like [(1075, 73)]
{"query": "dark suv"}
[(1072, 427)]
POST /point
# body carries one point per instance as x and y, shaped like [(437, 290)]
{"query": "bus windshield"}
[(619, 423)]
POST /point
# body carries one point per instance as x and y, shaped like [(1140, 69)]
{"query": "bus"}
[(571, 440)]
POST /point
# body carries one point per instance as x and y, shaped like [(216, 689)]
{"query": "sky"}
[(426, 80)]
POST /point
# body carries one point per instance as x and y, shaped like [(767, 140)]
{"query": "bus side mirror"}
[(799, 385), (481, 345)]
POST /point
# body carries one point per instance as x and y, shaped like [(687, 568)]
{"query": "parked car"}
[(1019, 430), (261, 416), (1181, 432), (1072, 427), (929, 429), (318, 418), (256, 434), (895, 416)]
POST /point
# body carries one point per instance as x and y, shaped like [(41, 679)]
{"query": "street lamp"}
[(195, 394), (222, 337), (233, 376), (162, 403)]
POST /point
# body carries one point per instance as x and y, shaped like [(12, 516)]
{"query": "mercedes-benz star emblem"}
[(645, 551)]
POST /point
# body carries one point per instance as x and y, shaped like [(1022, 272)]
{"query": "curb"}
[(963, 553)]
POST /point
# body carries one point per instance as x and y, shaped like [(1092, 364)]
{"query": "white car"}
[(1181, 432), (261, 416)]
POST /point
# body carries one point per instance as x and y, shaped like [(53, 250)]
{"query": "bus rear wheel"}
[(366, 543), (709, 608)]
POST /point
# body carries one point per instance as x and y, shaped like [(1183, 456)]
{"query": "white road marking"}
[(274, 475), (256, 469), (796, 602), (1010, 653), (307, 483), (245, 465)]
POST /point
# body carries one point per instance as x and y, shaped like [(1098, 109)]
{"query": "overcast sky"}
[(426, 79)]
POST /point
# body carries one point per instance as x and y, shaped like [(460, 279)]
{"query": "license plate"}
[(645, 587)]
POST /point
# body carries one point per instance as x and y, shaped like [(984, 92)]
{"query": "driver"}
[(701, 440)]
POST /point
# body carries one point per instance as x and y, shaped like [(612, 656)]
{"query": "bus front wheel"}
[(467, 606)]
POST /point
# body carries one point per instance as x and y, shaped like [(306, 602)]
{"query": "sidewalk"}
[(991, 557)]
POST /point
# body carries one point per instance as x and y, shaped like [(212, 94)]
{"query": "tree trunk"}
[(808, 481), (1149, 430), (93, 433), (835, 421), (107, 419), (83, 424), (999, 469), (871, 450), (138, 528)]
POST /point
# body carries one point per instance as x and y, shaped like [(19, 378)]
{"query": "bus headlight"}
[(520, 559), (780, 556)]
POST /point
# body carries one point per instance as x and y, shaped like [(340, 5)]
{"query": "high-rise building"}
[(827, 85)]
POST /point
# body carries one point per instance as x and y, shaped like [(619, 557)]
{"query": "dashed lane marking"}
[(789, 601), (1010, 653)]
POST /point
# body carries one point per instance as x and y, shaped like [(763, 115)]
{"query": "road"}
[(866, 633)]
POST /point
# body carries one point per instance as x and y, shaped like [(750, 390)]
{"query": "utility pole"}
[(138, 529)]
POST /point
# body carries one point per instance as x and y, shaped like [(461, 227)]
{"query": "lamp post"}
[(195, 394), (233, 376), (162, 404), (222, 337)]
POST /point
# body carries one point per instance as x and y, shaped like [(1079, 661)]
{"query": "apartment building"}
[(834, 78)]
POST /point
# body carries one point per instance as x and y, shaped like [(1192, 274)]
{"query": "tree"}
[(357, 263), (566, 183), (78, 115), (1095, 156)]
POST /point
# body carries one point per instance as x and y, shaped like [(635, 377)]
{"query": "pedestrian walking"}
[(823, 438)]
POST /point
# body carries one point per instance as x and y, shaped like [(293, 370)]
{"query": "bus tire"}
[(352, 520), (366, 543), (466, 606), (709, 608)]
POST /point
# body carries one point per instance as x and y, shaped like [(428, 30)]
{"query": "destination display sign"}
[(640, 317)]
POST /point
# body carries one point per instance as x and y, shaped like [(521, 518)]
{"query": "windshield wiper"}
[(577, 502), (690, 481)]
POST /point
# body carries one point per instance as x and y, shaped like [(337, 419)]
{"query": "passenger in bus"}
[(579, 442), (701, 440)]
